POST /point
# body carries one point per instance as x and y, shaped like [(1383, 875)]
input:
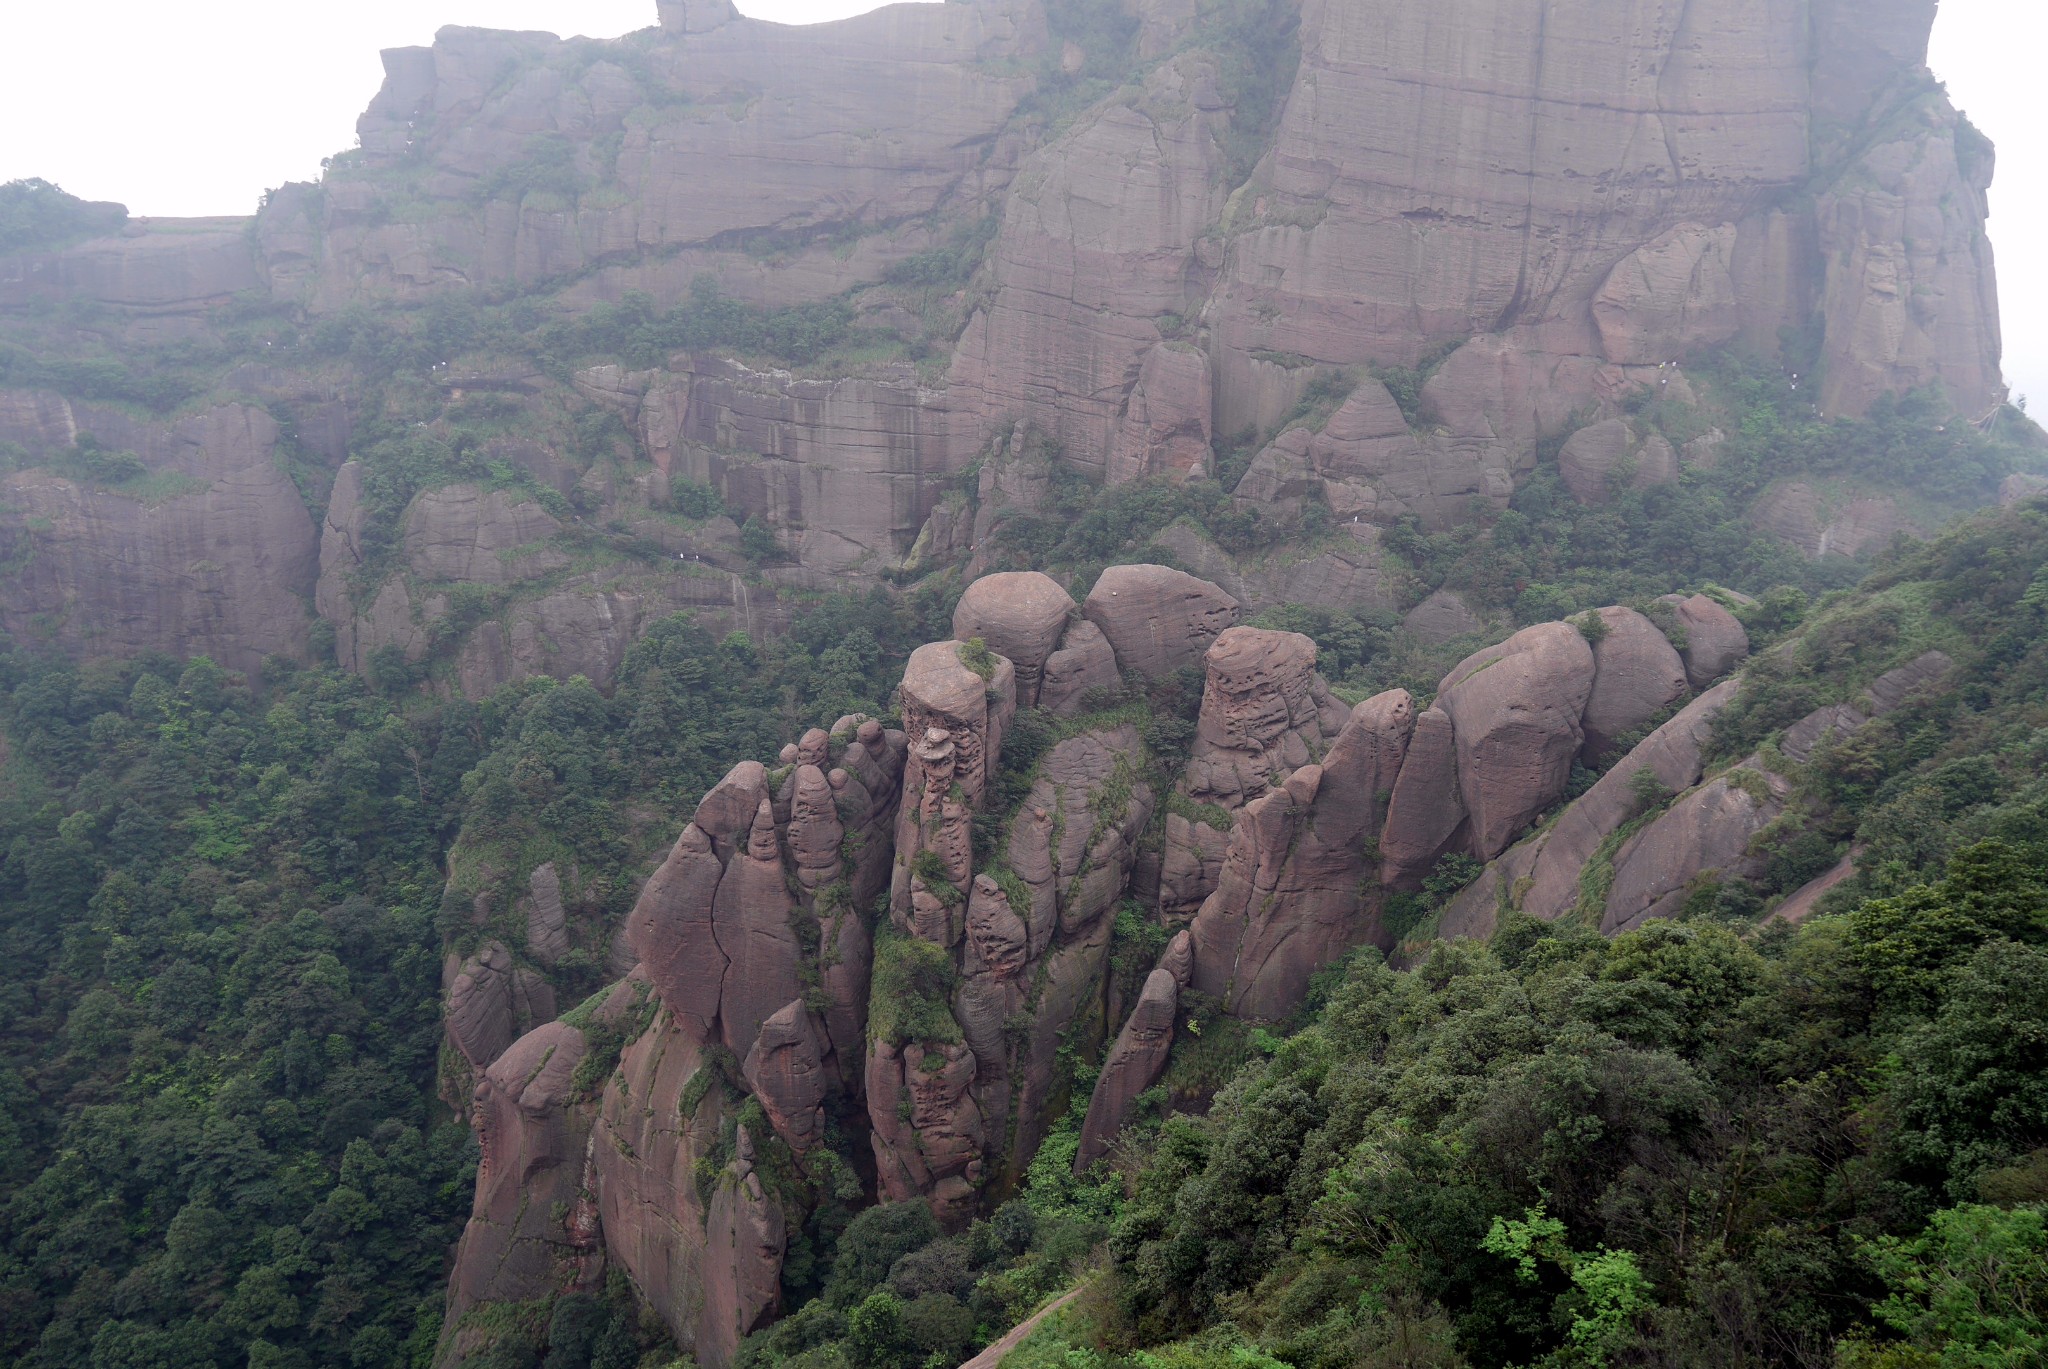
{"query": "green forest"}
[(1703, 1143), (221, 916)]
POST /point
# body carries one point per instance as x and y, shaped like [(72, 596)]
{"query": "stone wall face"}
[(1570, 197)]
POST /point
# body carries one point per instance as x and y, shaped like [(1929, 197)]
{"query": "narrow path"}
[(1014, 1337)]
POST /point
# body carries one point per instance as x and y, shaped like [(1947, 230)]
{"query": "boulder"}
[(752, 919), (1292, 896), (1714, 640), (1673, 754), (1265, 713), (1157, 619), (547, 921), (1706, 833), (1084, 661), (1515, 711), (477, 1008), (1925, 672), (529, 1173), (1636, 675), (744, 1235), (1426, 817), (1443, 617), (1591, 454), (785, 1071), (1133, 1065), (1021, 615), (1594, 456)]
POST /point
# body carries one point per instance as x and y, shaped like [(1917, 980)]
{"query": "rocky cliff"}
[(1135, 238)]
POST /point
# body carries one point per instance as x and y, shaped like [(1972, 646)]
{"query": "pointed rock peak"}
[(1178, 959), (761, 837), (815, 748)]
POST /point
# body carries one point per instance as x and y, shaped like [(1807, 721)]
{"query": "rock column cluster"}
[(879, 930)]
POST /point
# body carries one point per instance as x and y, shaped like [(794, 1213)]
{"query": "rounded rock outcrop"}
[(1158, 619), (1714, 640), (1020, 614), (1636, 675)]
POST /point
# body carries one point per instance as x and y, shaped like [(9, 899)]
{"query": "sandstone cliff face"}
[(1569, 200), (599, 155), (1098, 246), (213, 553), (848, 469)]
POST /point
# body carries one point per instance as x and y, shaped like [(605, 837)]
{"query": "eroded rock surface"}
[(1156, 619), (1022, 616), (1293, 893)]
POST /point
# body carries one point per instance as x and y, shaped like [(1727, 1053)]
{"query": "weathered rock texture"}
[(1265, 714), (1573, 201), (1158, 619), (1139, 1056), (1568, 198), (1294, 890), (1707, 833), (213, 554)]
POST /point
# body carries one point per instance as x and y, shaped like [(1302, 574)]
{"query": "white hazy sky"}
[(198, 108)]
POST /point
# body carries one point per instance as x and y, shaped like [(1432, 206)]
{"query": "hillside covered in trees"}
[(1326, 684)]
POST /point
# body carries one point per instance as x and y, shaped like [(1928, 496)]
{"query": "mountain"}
[(767, 657)]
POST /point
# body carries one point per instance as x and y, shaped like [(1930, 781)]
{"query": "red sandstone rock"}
[(1084, 661), (547, 921), (1134, 1064), (751, 918), (1426, 817), (1715, 641), (221, 567), (1291, 899), (744, 1237), (1443, 617), (1515, 710), (1020, 615), (1265, 713), (786, 1073), (1672, 754), (1674, 295), (1165, 427), (1157, 619), (528, 1174), (1705, 833), (477, 1005), (1636, 675)]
